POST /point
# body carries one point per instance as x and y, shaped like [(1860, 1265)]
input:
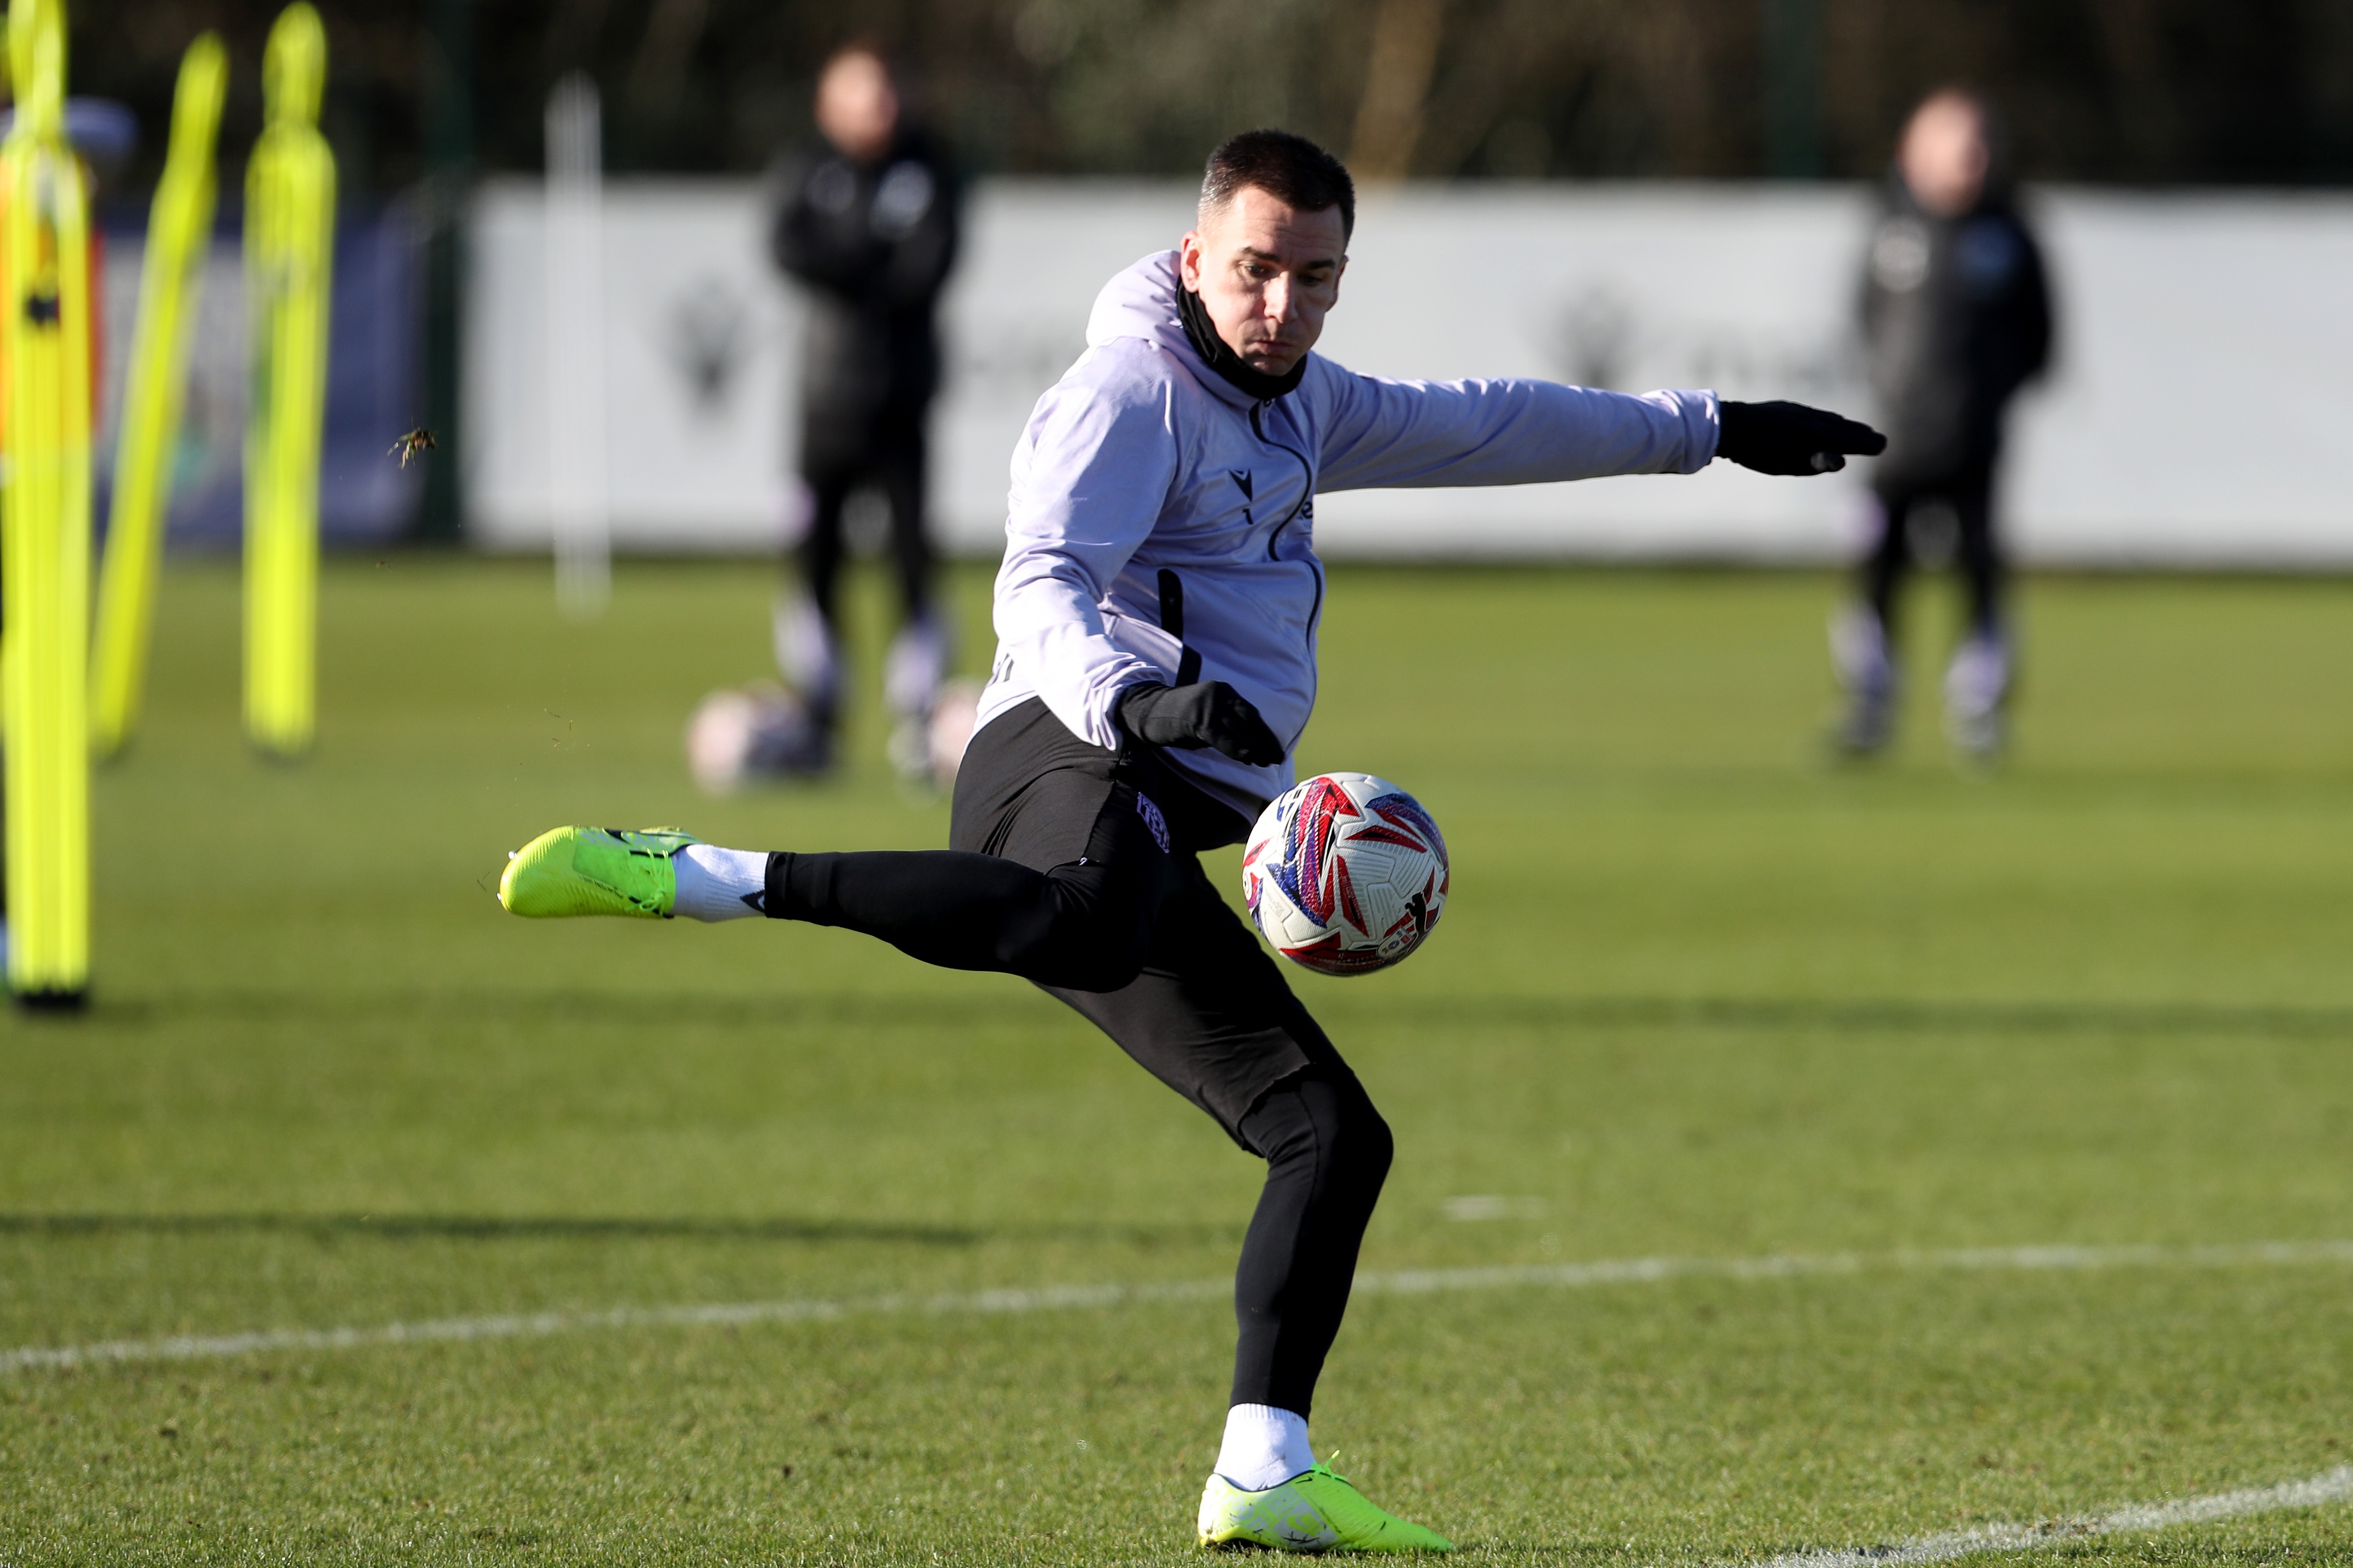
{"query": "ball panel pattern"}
[(1345, 873)]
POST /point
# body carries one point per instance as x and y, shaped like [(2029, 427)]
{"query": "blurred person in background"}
[(1955, 318), (866, 220)]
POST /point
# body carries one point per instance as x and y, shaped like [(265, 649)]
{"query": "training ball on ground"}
[(751, 735), (1344, 873), (953, 713)]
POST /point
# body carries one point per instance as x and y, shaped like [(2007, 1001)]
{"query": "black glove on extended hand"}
[(1791, 439), (1205, 713)]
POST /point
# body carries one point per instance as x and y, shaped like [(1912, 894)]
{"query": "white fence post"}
[(576, 432)]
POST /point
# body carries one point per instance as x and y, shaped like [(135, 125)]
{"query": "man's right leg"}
[(1083, 925), (1066, 897)]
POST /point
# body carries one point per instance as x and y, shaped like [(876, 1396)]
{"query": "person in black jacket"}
[(1957, 318), (867, 221)]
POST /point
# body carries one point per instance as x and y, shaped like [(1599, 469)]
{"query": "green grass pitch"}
[(1697, 994)]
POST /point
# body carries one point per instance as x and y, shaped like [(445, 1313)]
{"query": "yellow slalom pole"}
[(179, 232), (45, 519), (289, 226)]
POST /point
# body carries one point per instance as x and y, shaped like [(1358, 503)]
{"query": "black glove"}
[(1791, 439), (1205, 713)]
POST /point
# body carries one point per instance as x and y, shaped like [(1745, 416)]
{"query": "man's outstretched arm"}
[(1380, 433)]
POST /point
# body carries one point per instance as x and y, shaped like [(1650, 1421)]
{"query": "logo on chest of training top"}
[(1153, 820)]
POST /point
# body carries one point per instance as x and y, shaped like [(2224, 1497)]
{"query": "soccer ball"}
[(1345, 874), (753, 734)]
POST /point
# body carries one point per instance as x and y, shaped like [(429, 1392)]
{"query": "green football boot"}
[(1314, 1510), (595, 871)]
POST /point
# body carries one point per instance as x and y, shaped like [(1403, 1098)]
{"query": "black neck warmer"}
[(1203, 335)]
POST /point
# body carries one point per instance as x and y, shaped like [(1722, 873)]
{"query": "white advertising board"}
[(2195, 415)]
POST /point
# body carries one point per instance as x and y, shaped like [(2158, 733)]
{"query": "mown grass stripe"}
[(2335, 1486), (1074, 1297)]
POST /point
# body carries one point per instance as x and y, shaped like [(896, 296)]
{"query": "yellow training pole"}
[(45, 519), (179, 231), (288, 224)]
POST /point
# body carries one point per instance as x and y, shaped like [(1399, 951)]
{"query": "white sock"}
[(715, 884), (1264, 1446)]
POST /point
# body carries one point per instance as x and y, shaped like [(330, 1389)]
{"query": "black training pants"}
[(838, 456), (1969, 490), (1077, 868)]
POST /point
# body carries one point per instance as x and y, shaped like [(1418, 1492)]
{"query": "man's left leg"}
[(918, 659), (1863, 634), (807, 641), (1978, 681), (1212, 1017)]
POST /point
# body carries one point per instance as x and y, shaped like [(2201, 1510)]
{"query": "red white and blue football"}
[(1345, 874)]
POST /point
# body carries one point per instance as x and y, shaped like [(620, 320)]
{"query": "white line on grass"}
[(1071, 1298), (2334, 1487)]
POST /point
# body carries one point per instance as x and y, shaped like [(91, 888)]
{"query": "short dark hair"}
[(1292, 169)]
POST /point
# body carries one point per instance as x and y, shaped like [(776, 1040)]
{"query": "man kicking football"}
[(1156, 618)]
